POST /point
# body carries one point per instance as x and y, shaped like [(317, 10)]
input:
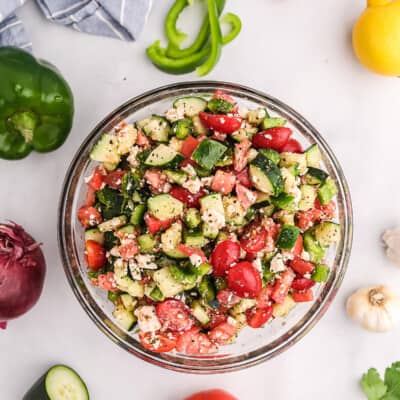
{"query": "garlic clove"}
[(391, 239)]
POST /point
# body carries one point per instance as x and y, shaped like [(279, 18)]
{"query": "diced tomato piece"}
[(114, 179), (142, 140), (223, 182), (189, 251), (306, 219), (246, 196), (302, 284), (174, 315), (282, 286), (89, 216), (292, 146), (303, 296), (224, 256), (214, 394), (156, 179), (221, 122), (254, 238), (96, 181), (107, 282), (227, 298), (95, 255), (271, 226), (298, 247), (220, 94), (154, 225), (194, 342), (328, 210), (189, 145), (301, 266), (157, 342), (240, 155), (189, 199), (244, 280), (90, 199), (129, 249), (257, 317), (223, 333), (272, 138), (244, 178), (216, 318), (264, 298)]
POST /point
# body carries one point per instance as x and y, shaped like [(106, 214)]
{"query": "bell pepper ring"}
[(36, 105)]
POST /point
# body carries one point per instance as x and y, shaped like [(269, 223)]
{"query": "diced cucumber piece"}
[(272, 122), (170, 240), (128, 301), (164, 206), (164, 156), (191, 105), (211, 204), (243, 306), (113, 224), (308, 196), (287, 218), (266, 176), (106, 150), (192, 218), (327, 191), (138, 214), (157, 295), (297, 159), (313, 156), (94, 234), (321, 273), (195, 239), (126, 284), (257, 116), (287, 237), (284, 201), (200, 313), (146, 243), (126, 139), (315, 176), (235, 214), (208, 152), (157, 129), (220, 106), (182, 128), (125, 318), (312, 247), (142, 123), (240, 135), (206, 289), (112, 296), (327, 233), (126, 230), (166, 282), (282, 310), (198, 127), (176, 176), (271, 154), (185, 275)]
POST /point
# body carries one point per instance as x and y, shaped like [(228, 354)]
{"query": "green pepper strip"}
[(199, 42), (236, 26), (216, 40), (174, 35)]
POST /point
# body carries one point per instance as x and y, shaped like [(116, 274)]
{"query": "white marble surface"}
[(298, 51)]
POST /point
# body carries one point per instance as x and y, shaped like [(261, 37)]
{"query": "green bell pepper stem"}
[(174, 35), (36, 105), (201, 38), (216, 40), (236, 26)]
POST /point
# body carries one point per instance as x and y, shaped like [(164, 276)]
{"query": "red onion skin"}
[(22, 272)]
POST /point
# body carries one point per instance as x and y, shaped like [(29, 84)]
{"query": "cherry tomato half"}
[(95, 255), (224, 256), (174, 315), (272, 138), (302, 284), (257, 317), (301, 266), (96, 180), (89, 216), (244, 280), (194, 342), (254, 239), (107, 282), (221, 122), (222, 333), (292, 146), (157, 342), (189, 199)]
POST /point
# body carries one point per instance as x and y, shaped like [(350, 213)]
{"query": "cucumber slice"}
[(166, 282), (211, 202), (208, 153), (282, 310), (327, 233), (146, 243), (158, 128), (218, 106), (128, 301), (257, 116), (308, 196), (113, 224), (125, 318), (270, 122), (195, 239), (206, 289), (284, 201), (164, 156), (94, 234), (294, 159), (316, 176), (192, 218), (313, 156), (191, 105), (106, 150), (170, 239), (182, 128), (272, 155), (138, 214), (266, 176), (200, 313), (59, 383), (164, 206), (178, 177), (327, 191), (287, 237), (312, 247)]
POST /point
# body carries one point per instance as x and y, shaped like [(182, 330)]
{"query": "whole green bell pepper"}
[(36, 105)]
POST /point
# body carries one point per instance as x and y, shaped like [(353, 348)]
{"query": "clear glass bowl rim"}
[(203, 366)]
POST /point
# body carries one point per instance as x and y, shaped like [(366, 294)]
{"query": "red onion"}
[(22, 271)]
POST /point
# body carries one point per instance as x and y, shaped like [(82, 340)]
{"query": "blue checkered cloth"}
[(120, 19)]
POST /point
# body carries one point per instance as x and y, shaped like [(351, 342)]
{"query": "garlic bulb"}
[(391, 238), (377, 308)]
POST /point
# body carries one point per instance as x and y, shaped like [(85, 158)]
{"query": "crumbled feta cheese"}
[(305, 256), (135, 150), (166, 187), (174, 114), (145, 261), (196, 260), (257, 263), (214, 219), (243, 111), (287, 255), (175, 144), (232, 321), (135, 270), (207, 181), (189, 170), (193, 185), (296, 192), (115, 251), (277, 264), (147, 319), (120, 267)]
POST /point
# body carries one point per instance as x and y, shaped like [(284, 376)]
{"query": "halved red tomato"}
[(292, 146), (221, 122), (154, 225), (223, 182), (281, 288), (328, 210), (157, 342), (303, 296), (254, 239), (216, 318), (214, 394), (223, 333), (301, 266), (89, 216), (244, 280), (256, 317), (114, 179), (194, 342), (174, 315), (156, 179), (224, 256), (189, 145), (272, 138), (96, 180), (95, 255), (189, 199)]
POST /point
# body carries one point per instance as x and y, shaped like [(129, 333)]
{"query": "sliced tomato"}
[(302, 267), (95, 255), (246, 196), (244, 280), (189, 145), (244, 178), (306, 219), (303, 296), (227, 298), (328, 210), (302, 284), (216, 318), (154, 225), (174, 315), (187, 198), (298, 247), (221, 122), (107, 282), (223, 182), (223, 333), (114, 179), (257, 317), (194, 342), (189, 251), (225, 255), (281, 288), (96, 181), (157, 342), (264, 298), (292, 146), (156, 179), (89, 216), (213, 394), (90, 199), (240, 155), (142, 140), (272, 138), (129, 249), (254, 238)]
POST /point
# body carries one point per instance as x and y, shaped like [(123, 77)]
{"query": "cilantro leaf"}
[(392, 382), (373, 386)]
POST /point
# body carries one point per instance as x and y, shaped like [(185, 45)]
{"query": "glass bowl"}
[(253, 346)]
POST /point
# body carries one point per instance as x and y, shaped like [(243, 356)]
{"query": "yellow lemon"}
[(376, 37)]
